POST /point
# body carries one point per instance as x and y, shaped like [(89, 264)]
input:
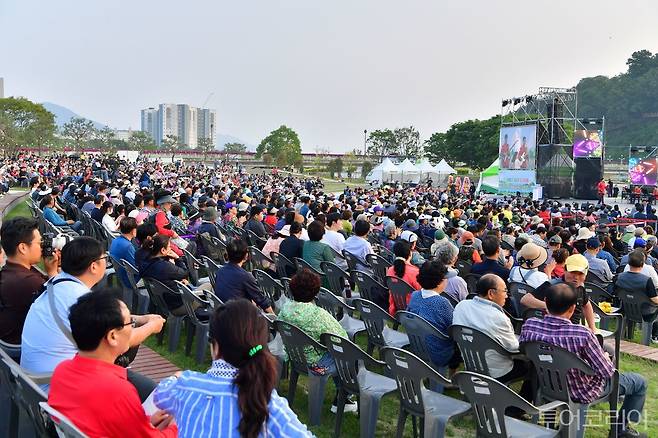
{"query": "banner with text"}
[(512, 181)]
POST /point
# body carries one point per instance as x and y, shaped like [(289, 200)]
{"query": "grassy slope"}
[(387, 422)]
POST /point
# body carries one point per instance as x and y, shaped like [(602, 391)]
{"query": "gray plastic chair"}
[(595, 279), (270, 287), (400, 291), (65, 427), (213, 248), (9, 413), (471, 282), (141, 299), (416, 400), (379, 266), (211, 268), (370, 289), (284, 266), (213, 300), (196, 327), (552, 365), (517, 291), (379, 333), (385, 252), (489, 399), (156, 291), (353, 262), (193, 266), (26, 395), (418, 330), (636, 308), (616, 335), (463, 267), (285, 282), (121, 274), (473, 346), (254, 240), (260, 260), (597, 294), (338, 279), (303, 264), (355, 378), (295, 341), (341, 311)]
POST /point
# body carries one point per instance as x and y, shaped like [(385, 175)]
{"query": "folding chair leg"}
[(201, 343), (174, 332), (292, 385), (402, 419), (340, 405), (646, 333), (368, 414), (316, 387), (191, 331)]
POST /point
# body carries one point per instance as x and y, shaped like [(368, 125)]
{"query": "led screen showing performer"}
[(642, 171), (587, 144), (517, 147)]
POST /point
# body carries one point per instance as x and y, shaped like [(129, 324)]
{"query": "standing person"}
[(89, 388), (600, 190), (242, 379)]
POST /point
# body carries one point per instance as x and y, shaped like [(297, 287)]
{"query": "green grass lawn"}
[(464, 427), (19, 209)]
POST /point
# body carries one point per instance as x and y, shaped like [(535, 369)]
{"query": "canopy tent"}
[(409, 172), (427, 171), (489, 181), (385, 171), (443, 168)]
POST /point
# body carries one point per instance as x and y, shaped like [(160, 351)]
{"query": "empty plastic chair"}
[(370, 289), (379, 266), (211, 268), (489, 399), (193, 266), (416, 400), (157, 290), (65, 427), (284, 266), (379, 333), (338, 279), (196, 326), (637, 308)]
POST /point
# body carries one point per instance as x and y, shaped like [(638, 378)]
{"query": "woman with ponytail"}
[(402, 268), (237, 396)]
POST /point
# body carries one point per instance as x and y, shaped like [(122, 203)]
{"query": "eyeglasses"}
[(101, 258), (133, 323)]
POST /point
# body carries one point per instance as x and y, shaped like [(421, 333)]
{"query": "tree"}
[(437, 149), (170, 144), (267, 159), (335, 166), (78, 129), (350, 161), (283, 145), (641, 62), (24, 123), (407, 142), (366, 167), (238, 148), (105, 138), (381, 143), (141, 141), (205, 145)]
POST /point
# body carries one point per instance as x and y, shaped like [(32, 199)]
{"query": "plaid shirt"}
[(576, 339)]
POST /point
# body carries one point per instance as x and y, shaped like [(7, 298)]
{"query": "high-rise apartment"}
[(187, 123)]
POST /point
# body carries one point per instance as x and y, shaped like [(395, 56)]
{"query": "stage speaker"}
[(555, 170), (555, 113), (588, 173)]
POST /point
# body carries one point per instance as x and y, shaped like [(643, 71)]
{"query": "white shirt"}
[(43, 345), (334, 239), (489, 318), (647, 270), (531, 277), (109, 223)]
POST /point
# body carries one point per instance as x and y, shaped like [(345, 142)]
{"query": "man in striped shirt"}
[(557, 329)]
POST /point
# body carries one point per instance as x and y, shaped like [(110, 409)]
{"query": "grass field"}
[(387, 422)]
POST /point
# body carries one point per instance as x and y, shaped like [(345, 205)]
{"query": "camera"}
[(51, 242)]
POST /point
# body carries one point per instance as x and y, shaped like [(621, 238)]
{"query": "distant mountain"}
[(63, 115), (222, 139)]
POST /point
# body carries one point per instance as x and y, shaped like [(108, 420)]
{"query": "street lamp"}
[(365, 134)]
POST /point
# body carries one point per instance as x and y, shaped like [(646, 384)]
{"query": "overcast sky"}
[(327, 69)]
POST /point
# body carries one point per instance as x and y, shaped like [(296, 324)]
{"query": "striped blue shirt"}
[(207, 405)]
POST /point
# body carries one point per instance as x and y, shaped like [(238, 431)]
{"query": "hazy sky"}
[(327, 69)]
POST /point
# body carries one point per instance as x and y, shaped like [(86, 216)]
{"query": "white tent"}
[(427, 171), (384, 172), (409, 172), (443, 168)]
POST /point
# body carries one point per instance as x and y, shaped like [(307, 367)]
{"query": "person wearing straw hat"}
[(528, 260)]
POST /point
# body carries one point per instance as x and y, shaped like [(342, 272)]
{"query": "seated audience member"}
[(255, 222), (20, 282), (208, 220), (576, 267), (233, 281), (402, 268), (358, 245), (597, 266), (555, 268), (491, 249), (144, 232), (642, 244), (122, 247), (47, 204), (467, 252), (332, 236), (302, 312), (456, 286), (242, 379), (292, 246), (557, 328), (107, 220), (89, 388), (485, 313), (528, 260), (634, 280), (429, 303), (44, 344), (315, 252), (412, 238), (440, 239), (273, 244)]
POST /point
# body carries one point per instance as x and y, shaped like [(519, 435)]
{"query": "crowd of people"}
[(157, 212)]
